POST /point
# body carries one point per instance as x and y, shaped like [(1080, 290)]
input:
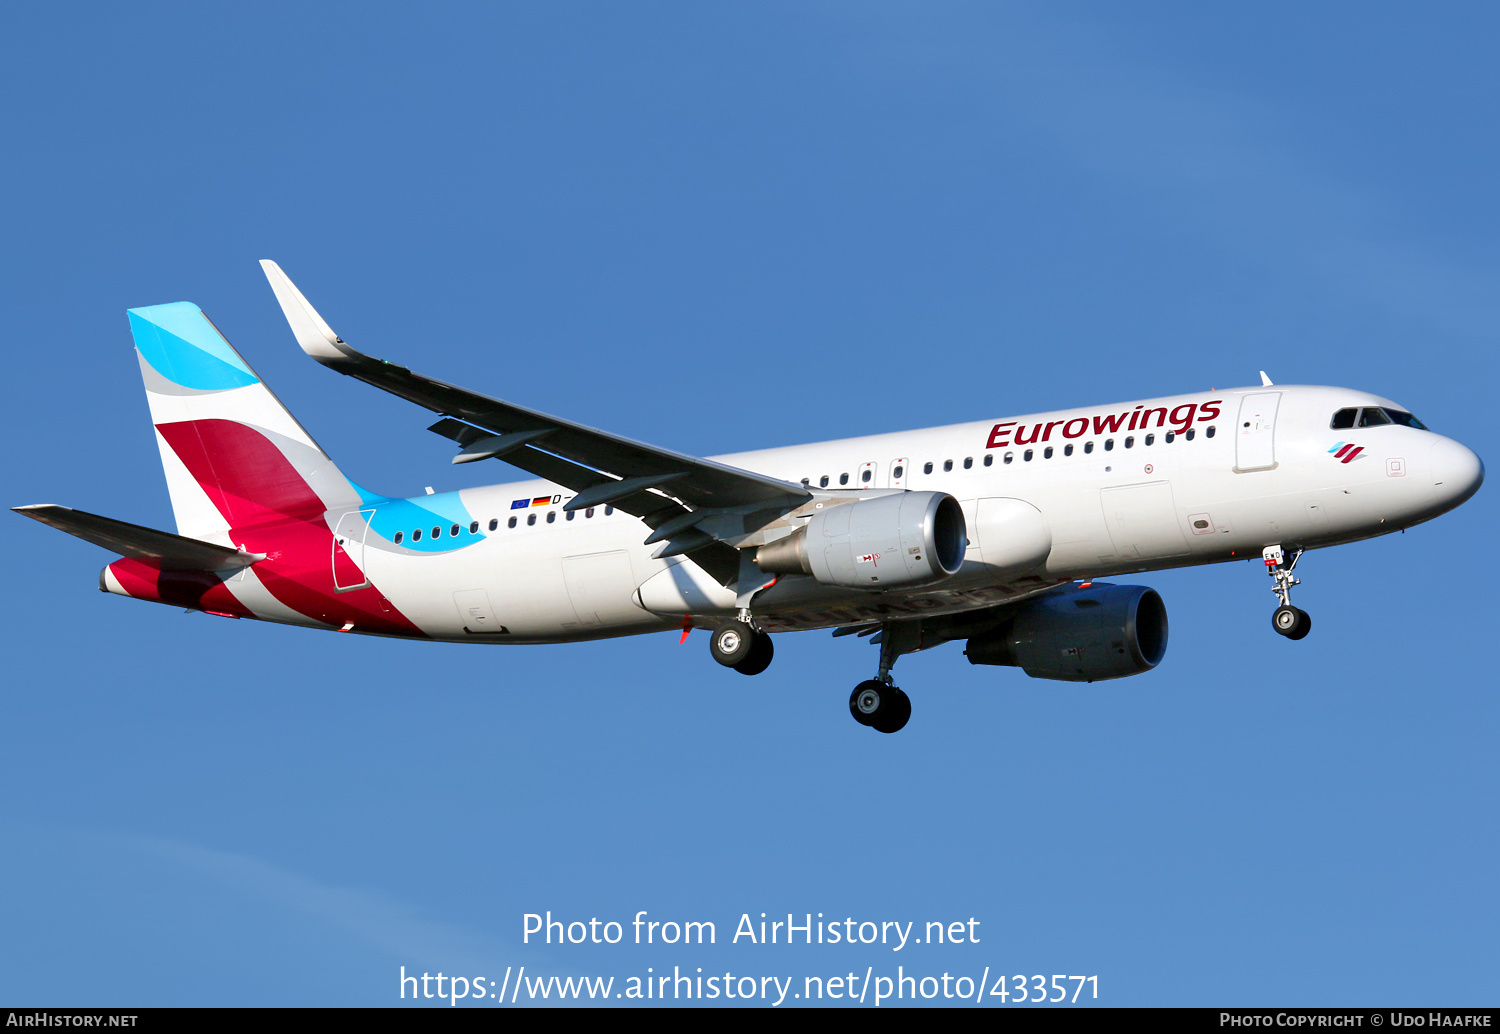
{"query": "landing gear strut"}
[(740, 645), (1288, 620), (877, 702)]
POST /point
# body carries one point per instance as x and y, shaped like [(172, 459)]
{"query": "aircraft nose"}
[(1457, 472)]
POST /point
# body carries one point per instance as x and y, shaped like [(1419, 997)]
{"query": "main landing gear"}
[(740, 645), (880, 705), (1288, 620), (877, 702)]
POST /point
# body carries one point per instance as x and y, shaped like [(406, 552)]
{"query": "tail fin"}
[(233, 456)]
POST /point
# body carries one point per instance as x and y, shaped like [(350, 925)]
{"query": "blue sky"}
[(723, 227)]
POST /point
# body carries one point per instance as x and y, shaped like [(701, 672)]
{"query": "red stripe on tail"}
[(272, 510)]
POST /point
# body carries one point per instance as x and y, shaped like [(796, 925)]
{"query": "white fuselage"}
[(1048, 498)]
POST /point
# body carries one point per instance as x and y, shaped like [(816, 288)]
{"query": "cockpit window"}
[(1373, 416), (1405, 419)]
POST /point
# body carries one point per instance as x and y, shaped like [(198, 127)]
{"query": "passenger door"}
[(349, 550), (1255, 432)]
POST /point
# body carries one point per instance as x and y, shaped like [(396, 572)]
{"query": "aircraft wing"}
[(162, 548), (658, 485)]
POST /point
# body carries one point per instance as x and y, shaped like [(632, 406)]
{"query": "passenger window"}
[(927, 468), (437, 533), (494, 523), (474, 528), (823, 481), (898, 472), (968, 462), (531, 518), (1191, 434), (1210, 431), (511, 523), (1010, 457), (416, 535), (865, 476), (1373, 417), (572, 514), (807, 482), (551, 516), (989, 459), (1343, 419), (608, 510), (1067, 450), (1169, 437), (1130, 441), (1150, 439), (1026, 455), (589, 512), (398, 538), (1109, 444), (1088, 447), (947, 466), (843, 479), (1047, 453)]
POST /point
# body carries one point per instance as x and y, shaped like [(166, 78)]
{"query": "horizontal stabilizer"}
[(162, 548)]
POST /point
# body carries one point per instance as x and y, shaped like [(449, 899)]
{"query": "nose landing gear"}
[(1288, 620)]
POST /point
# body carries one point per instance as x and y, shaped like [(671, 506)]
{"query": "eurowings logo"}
[(1346, 451)]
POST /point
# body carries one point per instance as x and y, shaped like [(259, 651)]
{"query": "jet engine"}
[(1080, 635), (892, 541)]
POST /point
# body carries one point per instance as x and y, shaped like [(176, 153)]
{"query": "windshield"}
[(1374, 416)]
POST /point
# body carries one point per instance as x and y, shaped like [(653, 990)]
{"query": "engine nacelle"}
[(892, 541), (1080, 635)]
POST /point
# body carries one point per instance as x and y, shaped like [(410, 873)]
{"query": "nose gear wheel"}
[(1288, 620)]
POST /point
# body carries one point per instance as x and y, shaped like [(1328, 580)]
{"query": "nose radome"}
[(1457, 472)]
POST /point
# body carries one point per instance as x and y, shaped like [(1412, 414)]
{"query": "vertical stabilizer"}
[(234, 457)]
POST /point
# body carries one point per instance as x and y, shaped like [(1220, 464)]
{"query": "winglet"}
[(312, 332), (1265, 382)]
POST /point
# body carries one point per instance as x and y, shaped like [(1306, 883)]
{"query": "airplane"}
[(992, 532)]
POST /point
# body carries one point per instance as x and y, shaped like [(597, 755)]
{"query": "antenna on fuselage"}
[(1265, 382)]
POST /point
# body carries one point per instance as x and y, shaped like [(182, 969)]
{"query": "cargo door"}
[(600, 587), (1142, 521)]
